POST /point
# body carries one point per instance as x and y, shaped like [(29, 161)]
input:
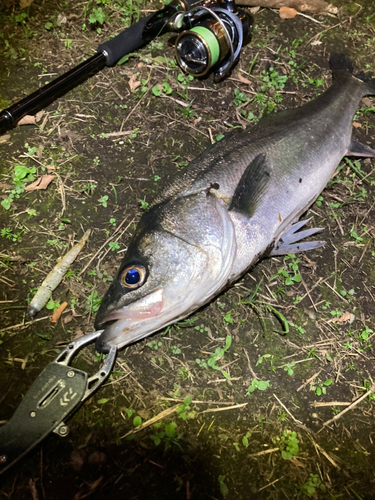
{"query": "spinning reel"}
[(211, 39)]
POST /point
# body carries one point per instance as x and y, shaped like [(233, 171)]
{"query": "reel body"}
[(211, 39)]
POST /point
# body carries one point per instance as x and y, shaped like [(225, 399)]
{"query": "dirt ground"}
[(249, 386)]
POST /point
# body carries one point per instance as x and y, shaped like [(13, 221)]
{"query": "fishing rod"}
[(211, 35)]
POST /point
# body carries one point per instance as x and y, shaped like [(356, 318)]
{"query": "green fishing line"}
[(211, 41)]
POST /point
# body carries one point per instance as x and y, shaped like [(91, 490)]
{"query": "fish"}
[(236, 203)]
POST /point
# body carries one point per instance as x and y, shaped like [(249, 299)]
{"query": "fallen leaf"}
[(30, 119), (4, 138), (61, 18), (25, 3), (77, 459), (356, 125), (254, 10), (145, 414), (308, 6), (78, 334), (56, 315), (97, 458), (297, 462), (344, 317), (39, 115), (41, 183), (27, 120), (243, 79), (367, 102), (67, 319), (316, 42), (133, 83), (287, 13)]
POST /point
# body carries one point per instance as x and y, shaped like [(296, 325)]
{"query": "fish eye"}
[(133, 276)]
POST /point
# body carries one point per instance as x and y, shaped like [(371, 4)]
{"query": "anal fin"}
[(356, 148), (290, 241)]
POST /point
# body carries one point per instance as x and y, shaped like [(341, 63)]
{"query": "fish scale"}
[(235, 203)]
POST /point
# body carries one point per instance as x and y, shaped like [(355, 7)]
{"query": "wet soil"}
[(253, 424)]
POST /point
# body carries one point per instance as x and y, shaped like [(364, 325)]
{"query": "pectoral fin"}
[(356, 148), (251, 189), (290, 241)]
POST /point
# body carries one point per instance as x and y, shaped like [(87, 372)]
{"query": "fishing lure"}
[(55, 277)]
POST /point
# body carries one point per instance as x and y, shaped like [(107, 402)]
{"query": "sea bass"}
[(235, 203)]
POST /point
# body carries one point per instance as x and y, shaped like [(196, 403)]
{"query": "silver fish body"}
[(228, 208)]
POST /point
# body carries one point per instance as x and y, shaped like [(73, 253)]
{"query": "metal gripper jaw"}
[(54, 396)]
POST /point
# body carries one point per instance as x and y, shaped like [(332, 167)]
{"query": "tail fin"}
[(341, 68), (369, 80), (339, 64)]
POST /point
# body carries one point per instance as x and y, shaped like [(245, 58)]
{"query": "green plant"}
[(52, 305), (113, 245), (187, 112), (57, 243), (218, 354), (130, 11), (129, 412), (7, 233), (264, 357), (155, 344), (289, 368), (137, 421), (144, 204), (175, 350), (21, 176), (22, 18), (169, 436), (288, 444), (319, 201), (311, 485), (201, 363), (272, 80), (93, 302), (228, 317), (142, 89), (96, 17), (261, 385), (365, 333), (239, 98), (366, 386), (164, 88), (184, 80), (201, 328), (320, 387), (103, 201), (184, 410), (245, 439), (223, 487)]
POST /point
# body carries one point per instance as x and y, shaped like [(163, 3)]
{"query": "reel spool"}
[(213, 41)]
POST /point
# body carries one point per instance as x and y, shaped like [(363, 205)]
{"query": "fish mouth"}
[(128, 324)]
